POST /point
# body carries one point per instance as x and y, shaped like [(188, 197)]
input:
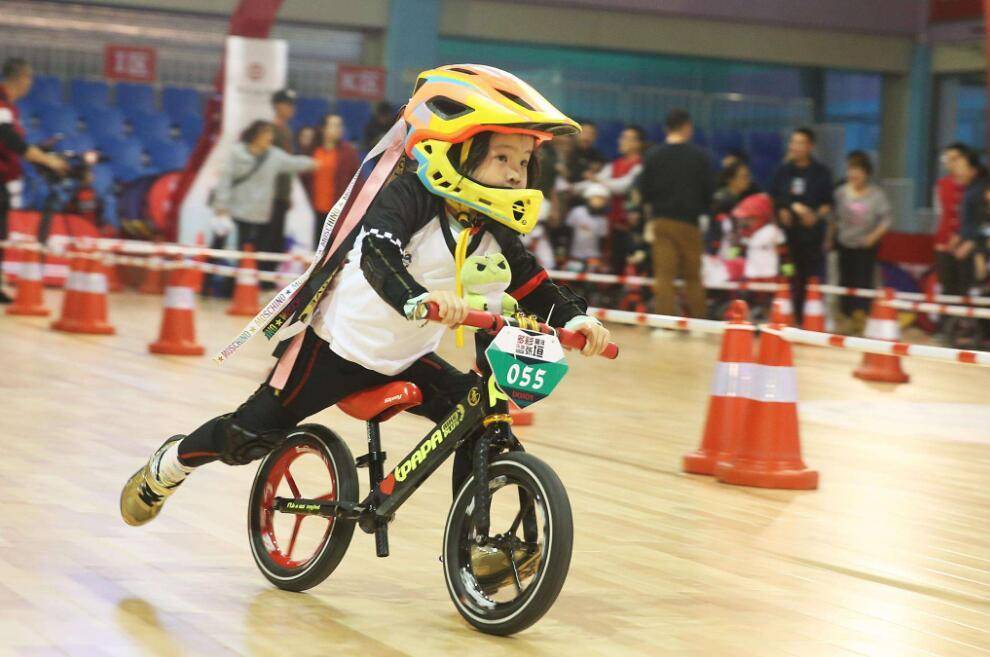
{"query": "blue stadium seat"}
[(179, 101), (656, 134), (126, 158), (135, 98), (104, 122), (150, 127), (87, 93), (190, 127), (608, 138), (46, 89), (356, 114), (766, 143), (79, 143), (725, 140), (310, 111), (763, 168), (59, 119), (167, 155)]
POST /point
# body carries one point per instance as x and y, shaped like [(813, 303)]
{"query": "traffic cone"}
[(882, 325), (814, 307), (88, 312), (768, 454), (781, 310), (154, 276), (245, 300), (520, 417), (114, 283), (71, 299), (730, 396), (29, 299), (196, 278), (13, 260), (177, 336)]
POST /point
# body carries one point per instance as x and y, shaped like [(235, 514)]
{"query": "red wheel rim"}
[(279, 552)]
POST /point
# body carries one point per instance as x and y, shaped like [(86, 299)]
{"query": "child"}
[(473, 131), (588, 224), (761, 238)]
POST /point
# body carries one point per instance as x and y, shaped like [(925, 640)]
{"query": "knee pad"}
[(241, 446)]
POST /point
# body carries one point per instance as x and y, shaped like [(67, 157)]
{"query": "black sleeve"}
[(778, 188), (400, 209), (824, 195), (11, 139), (532, 287)]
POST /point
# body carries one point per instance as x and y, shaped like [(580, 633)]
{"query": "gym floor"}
[(889, 557)]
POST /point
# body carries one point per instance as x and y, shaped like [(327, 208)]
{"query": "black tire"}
[(274, 565), (537, 478)]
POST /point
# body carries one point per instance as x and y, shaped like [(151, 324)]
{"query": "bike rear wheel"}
[(297, 552), (508, 584)]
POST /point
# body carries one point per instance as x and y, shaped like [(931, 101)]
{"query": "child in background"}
[(762, 239), (588, 224)]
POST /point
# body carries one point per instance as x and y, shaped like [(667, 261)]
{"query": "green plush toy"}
[(485, 278)]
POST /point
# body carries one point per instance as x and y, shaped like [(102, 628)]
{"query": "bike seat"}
[(380, 403)]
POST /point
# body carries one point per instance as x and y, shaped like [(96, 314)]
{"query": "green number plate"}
[(527, 365)]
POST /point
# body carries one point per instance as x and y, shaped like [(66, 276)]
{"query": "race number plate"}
[(527, 365)]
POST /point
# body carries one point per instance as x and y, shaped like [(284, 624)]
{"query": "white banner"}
[(255, 69)]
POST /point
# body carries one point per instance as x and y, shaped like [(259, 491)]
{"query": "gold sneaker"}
[(493, 571), (143, 497)]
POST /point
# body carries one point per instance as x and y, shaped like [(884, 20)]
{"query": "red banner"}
[(954, 10), (129, 63), (361, 82)]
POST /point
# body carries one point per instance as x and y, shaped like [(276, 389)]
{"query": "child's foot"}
[(144, 493)]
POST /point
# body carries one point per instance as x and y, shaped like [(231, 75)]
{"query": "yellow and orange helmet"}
[(451, 104)]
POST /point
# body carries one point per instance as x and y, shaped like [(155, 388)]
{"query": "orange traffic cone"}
[(781, 310), (814, 308), (114, 283), (29, 299), (730, 396), (196, 278), (85, 308), (154, 276), (520, 417), (178, 331), (768, 454), (13, 259), (245, 301), (882, 325), (74, 284)]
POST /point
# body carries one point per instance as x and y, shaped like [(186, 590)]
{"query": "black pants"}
[(4, 208), (856, 269), (254, 234), (621, 248), (956, 276), (319, 379), (274, 239), (809, 261)]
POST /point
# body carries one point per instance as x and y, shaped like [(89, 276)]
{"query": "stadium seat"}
[(57, 119), (150, 127), (179, 101), (104, 122), (126, 158), (190, 128), (356, 114), (135, 98), (310, 111), (86, 93), (766, 143), (724, 141), (608, 138), (167, 155), (79, 142), (656, 134), (46, 89)]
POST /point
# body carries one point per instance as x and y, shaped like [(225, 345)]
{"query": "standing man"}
[(802, 193), (676, 187), (949, 190), (17, 79), (284, 105)]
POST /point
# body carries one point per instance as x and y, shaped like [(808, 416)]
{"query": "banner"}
[(360, 82), (129, 63), (954, 10)]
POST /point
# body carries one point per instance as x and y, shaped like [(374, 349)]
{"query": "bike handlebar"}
[(491, 322)]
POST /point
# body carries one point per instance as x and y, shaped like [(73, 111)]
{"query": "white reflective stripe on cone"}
[(785, 305), (882, 329), (11, 266), (775, 384), (179, 297), (814, 307), (96, 283), (31, 271), (733, 379), (75, 282), (247, 277), (56, 271)]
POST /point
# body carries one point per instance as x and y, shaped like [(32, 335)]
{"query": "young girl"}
[(473, 131)]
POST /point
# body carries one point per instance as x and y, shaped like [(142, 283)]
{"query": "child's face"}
[(597, 203), (506, 163)]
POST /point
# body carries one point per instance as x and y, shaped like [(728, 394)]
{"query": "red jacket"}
[(10, 162), (950, 195)]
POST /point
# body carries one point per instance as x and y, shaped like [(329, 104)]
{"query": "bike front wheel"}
[(508, 583)]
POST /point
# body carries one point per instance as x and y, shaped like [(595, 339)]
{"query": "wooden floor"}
[(890, 557)]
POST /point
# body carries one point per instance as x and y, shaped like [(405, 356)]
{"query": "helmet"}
[(451, 104), (755, 206)]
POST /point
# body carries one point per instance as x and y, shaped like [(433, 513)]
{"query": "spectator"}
[(585, 161), (379, 124), (961, 332), (336, 162), (284, 106), (949, 192), (247, 186), (589, 224), (802, 192), (862, 215), (735, 183), (538, 240), (676, 188), (306, 140), (761, 238), (618, 176), (87, 204), (17, 79)]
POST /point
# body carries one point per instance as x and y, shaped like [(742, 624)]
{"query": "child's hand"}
[(597, 335), (453, 309)]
